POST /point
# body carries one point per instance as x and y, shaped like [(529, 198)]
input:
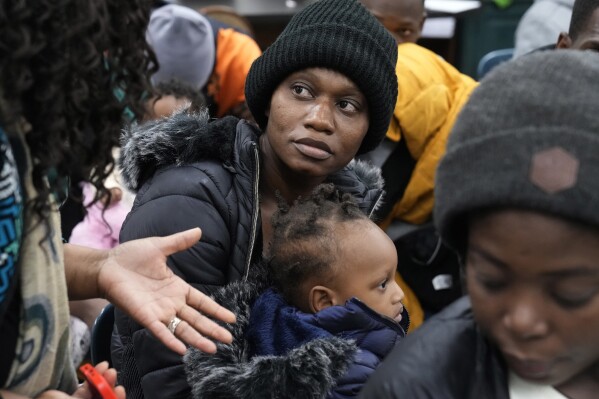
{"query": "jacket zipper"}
[(255, 213)]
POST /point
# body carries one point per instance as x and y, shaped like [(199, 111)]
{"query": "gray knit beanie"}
[(527, 138), (184, 44), (337, 34)]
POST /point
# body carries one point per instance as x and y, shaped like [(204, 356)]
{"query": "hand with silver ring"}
[(172, 325), (135, 277)]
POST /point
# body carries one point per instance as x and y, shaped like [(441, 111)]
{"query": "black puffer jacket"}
[(446, 358), (190, 173)]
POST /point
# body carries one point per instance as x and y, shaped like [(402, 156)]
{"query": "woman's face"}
[(317, 120), (534, 284)]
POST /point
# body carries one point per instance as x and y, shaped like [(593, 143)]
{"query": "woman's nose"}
[(320, 117), (525, 319)]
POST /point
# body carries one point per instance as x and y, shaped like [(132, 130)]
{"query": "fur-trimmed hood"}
[(186, 138), (309, 371)]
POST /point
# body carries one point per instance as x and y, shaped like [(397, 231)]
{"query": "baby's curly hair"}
[(62, 65), (304, 244)]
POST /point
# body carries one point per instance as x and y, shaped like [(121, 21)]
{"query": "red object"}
[(98, 385)]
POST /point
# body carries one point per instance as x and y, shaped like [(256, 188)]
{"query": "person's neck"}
[(278, 180), (584, 385)]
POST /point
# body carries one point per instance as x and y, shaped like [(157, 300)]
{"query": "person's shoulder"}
[(436, 360), (448, 326), (172, 142)]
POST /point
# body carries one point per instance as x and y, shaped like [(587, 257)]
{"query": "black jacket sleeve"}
[(176, 199)]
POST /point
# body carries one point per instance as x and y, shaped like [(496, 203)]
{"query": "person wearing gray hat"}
[(518, 199), (323, 92), (203, 53)]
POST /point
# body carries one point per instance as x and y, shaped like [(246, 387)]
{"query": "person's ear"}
[(320, 298), (564, 41)]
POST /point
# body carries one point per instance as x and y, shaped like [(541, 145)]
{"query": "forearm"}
[(82, 266)]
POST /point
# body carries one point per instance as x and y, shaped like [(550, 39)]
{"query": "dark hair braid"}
[(304, 244)]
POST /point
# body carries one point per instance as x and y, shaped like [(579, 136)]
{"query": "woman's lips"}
[(313, 148), (535, 370)]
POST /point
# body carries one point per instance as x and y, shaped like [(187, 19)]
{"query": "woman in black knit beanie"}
[(322, 93), (518, 199)]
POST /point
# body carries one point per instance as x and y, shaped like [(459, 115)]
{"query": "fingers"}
[(179, 241), (120, 392), (208, 306), (108, 373), (110, 376), (196, 321), (161, 332), (192, 337)]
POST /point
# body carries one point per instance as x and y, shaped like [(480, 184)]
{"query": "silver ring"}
[(172, 325)]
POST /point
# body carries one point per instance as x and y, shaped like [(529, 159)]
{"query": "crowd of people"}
[(341, 214)]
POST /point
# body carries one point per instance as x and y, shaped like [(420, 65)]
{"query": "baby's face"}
[(366, 264)]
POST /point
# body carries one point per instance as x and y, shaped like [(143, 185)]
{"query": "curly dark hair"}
[(69, 69), (304, 244)]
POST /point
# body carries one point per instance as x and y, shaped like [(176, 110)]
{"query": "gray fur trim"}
[(309, 371), (368, 174), (182, 138)]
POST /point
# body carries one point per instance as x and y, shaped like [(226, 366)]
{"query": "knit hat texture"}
[(336, 34), (528, 138), (183, 41)]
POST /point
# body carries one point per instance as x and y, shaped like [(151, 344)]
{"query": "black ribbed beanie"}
[(528, 138), (336, 34)]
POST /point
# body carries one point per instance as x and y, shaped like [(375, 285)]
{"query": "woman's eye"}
[(573, 300), (347, 106), (300, 91), (405, 32), (490, 284)]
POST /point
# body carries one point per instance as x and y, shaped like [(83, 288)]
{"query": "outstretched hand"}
[(135, 278)]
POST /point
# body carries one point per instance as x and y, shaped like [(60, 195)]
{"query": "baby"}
[(332, 313)]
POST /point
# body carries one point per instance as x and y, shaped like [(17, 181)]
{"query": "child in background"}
[(333, 275)]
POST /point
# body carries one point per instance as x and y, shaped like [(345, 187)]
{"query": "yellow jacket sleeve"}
[(431, 94)]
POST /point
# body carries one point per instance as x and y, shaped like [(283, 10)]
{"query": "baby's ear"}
[(564, 41), (320, 298)]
